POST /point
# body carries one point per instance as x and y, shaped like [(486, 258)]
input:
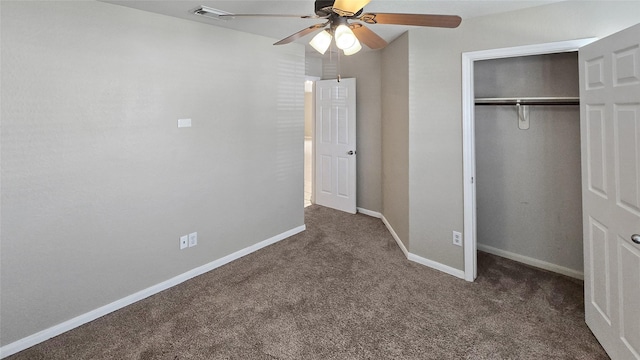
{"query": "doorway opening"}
[(469, 134), (309, 124), (528, 175)]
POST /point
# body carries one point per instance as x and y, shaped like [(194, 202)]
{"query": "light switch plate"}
[(193, 239), (182, 123)]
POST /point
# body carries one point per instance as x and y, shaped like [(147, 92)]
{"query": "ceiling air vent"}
[(211, 13)]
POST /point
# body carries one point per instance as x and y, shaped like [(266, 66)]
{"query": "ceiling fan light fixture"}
[(345, 38), (353, 49), (321, 41)]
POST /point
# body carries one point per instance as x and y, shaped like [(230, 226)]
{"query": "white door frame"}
[(313, 79), (468, 132)]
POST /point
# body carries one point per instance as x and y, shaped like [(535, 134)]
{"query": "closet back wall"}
[(528, 181)]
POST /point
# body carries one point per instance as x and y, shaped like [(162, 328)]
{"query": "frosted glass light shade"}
[(354, 49), (321, 41), (344, 37)]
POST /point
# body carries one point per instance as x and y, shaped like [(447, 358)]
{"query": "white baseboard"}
[(56, 330), (436, 265), (374, 214), (396, 237), (533, 262), (419, 259)]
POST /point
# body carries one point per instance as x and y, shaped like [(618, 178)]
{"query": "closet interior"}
[(528, 176)]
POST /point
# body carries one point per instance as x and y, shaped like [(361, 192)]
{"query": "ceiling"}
[(278, 28)]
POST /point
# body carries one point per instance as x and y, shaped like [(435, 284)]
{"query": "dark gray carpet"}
[(343, 290)]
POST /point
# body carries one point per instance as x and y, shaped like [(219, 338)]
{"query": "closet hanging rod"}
[(563, 100)]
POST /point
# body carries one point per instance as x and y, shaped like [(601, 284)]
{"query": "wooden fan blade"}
[(368, 37), (301, 33), (445, 21), (348, 7)]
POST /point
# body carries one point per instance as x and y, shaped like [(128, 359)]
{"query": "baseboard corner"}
[(532, 262), (419, 259), (436, 266), (371, 213), (395, 236)]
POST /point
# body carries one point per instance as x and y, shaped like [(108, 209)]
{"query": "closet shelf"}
[(562, 100)]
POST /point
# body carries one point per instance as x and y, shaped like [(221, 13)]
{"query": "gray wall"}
[(435, 112), (395, 136), (433, 162), (98, 183), (365, 67), (313, 65), (528, 188)]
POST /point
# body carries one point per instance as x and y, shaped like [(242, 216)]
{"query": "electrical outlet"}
[(184, 242), (457, 238), (193, 239)]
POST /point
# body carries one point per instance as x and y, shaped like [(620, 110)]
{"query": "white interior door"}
[(335, 142), (610, 131)]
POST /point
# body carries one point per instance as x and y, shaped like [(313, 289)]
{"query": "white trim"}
[(419, 259), (313, 136), (396, 237), (468, 132), (533, 262), (468, 168), (436, 265), (56, 330), (374, 214)]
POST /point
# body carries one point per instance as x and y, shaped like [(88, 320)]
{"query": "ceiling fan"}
[(344, 24)]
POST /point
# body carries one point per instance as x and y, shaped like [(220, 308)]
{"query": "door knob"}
[(635, 238), (351, 152)]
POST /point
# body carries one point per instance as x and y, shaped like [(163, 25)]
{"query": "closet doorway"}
[(506, 176), (528, 176)]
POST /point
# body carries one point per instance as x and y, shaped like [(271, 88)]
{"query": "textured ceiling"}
[(278, 28)]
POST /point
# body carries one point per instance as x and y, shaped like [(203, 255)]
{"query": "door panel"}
[(599, 279), (596, 164), (336, 144), (630, 291), (325, 135), (610, 123), (326, 173), (625, 71), (627, 131), (343, 125), (594, 72), (343, 177)]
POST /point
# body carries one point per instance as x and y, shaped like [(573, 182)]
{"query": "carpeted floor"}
[(343, 290)]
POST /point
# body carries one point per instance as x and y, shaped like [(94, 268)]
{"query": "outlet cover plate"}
[(182, 123), (193, 239), (457, 238), (184, 242)]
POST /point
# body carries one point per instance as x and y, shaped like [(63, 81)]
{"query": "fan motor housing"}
[(325, 8)]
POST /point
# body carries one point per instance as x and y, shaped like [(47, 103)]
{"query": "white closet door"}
[(610, 130)]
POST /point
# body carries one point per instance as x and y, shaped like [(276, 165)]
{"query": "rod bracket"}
[(523, 116)]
